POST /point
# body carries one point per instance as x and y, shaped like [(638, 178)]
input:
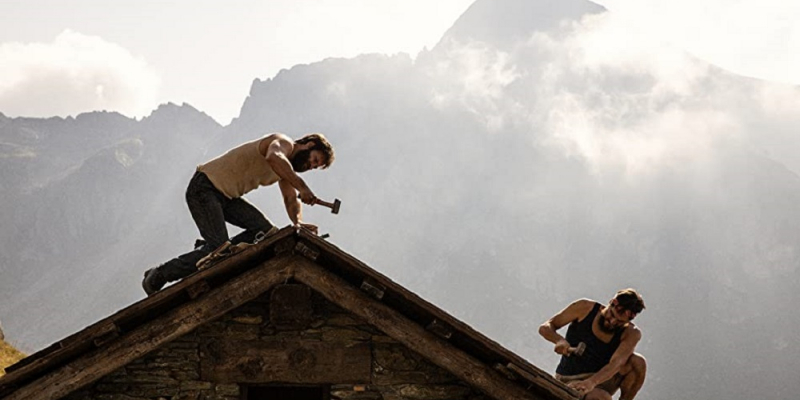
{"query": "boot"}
[(153, 281)]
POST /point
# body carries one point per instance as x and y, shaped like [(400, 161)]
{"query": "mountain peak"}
[(171, 110), (500, 22)]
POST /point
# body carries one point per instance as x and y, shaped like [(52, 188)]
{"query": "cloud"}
[(476, 77), (73, 74), (757, 38), (618, 98), (623, 100), (647, 103)]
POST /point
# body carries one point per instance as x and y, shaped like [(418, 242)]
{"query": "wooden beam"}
[(306, 250), (109, 333), (373, 288), (77, 344), (464, 336), (197, 289), (413, 336), (65, 349), (294, 361), (441, 329), (158, 332)]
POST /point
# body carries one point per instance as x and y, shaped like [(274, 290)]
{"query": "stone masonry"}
[(174, 371)]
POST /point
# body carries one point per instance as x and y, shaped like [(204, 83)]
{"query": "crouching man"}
[(606, 361)]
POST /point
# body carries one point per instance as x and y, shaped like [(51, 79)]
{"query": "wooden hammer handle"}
[(324, 203)]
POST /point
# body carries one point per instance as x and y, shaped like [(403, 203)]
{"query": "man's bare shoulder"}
[(284, 143), (277, 136), (578, 309), (631, 332), (583, 304)]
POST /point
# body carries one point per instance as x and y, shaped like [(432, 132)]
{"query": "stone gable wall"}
[(174, 372)]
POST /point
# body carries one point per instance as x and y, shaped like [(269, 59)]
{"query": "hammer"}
[(333, 206), (577, 350)]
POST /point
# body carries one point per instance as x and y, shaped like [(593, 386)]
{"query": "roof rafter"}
[(113, 342), (413, 336), (159, 331)]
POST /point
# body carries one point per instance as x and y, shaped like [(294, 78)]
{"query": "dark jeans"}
[(210, 210)]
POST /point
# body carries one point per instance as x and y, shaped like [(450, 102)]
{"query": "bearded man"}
[(607, 362), (215, 195)]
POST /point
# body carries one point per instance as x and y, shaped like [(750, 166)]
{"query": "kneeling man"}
[(606, 361)]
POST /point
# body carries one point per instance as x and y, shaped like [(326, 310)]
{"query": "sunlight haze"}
[(207, 53)]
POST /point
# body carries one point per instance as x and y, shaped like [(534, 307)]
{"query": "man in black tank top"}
[(607, 362)]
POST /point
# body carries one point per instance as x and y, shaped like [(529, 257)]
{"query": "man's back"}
[(241, 169)]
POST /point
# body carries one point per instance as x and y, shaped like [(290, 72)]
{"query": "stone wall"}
[(179, 370)]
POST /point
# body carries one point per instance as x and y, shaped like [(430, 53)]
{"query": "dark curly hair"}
[(631, 300), (321, 144)]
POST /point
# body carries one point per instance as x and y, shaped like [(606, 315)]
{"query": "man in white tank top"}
[(215, 195)]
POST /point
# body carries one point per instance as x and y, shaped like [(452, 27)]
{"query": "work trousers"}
[(211, 210)]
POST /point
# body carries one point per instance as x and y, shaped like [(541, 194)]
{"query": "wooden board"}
[(421, 311), (293, 361), (157, 332), (59, 353), (413, 336)]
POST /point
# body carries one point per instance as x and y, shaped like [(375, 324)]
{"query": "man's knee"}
[(597, 394), (638, 364)]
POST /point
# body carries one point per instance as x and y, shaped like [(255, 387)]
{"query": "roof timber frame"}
[(153, 334), (297, 255)]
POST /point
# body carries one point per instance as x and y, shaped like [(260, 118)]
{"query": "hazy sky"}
[(63, 57)]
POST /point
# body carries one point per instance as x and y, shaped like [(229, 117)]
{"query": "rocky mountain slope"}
[(520, 164)]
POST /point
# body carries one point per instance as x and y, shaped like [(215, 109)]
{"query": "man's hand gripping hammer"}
[(333, 206), (577, 350)]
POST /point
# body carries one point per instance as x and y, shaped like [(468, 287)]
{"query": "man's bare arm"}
[(573, 312), (278, 158), (290, 201), (293, 207)]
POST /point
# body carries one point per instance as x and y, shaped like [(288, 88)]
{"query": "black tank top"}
[(597, 353)]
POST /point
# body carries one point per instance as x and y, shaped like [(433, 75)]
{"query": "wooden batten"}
[(197, 289), (66, 350), (464, 336), (306, 250), (375, 289), (157, 332), (531, 378), (441, 329), (110, 331), (410, 334), (310, 263), (294, 361)]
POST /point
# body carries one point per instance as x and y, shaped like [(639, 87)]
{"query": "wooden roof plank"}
[(164, 300), (164, 329), (200, 286), (504, 356), (412, 335)]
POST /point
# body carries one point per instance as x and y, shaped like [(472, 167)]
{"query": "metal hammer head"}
[(336, 204), (579, 349)]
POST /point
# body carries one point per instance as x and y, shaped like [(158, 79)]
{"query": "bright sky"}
[(63, 57), (757, 38)]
